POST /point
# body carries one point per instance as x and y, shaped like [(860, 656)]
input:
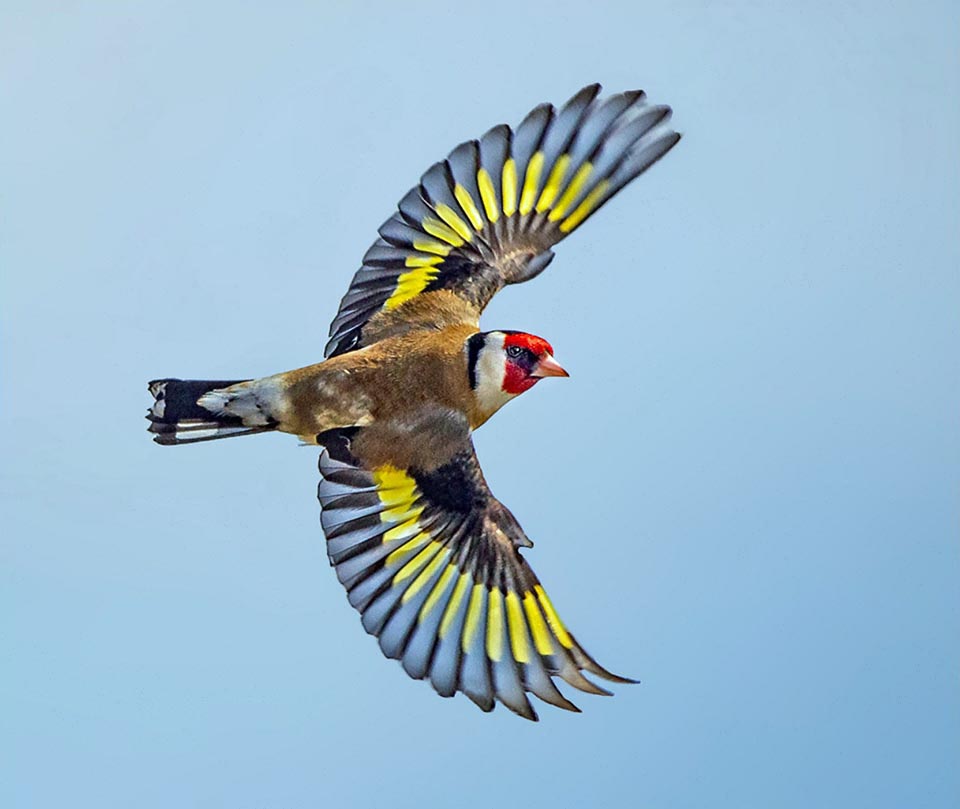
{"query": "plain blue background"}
[(746, 495)]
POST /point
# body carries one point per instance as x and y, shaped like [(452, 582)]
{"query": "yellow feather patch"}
[(553, 619), (430, 246), (406, 529), (417, 562), (436, 593), (552, 188), (538, 627), (572, 192), (425, 575), (530, 183), (495, 625), (488, 195), (518, 632), (423, 261), (407, 548), (469, 206), (509, 183), (473, 616), (393, 485), (450, 613), (436, 228), (410, 284), (395, 488), (584, 209), (398, 492), (447, 215)]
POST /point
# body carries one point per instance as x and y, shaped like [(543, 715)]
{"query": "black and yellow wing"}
[(432, 562), (488, 215)]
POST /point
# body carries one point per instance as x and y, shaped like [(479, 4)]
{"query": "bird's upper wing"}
[(432, 562), (488, 215)]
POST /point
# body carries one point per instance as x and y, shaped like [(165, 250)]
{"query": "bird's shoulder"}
[(411, 351), (440, 311)]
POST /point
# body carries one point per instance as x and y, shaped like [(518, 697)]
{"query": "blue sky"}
[(746, 495)]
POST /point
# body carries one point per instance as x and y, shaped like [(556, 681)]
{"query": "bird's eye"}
[(514, 351)]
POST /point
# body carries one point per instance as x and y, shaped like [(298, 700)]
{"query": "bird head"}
[(504, 364)]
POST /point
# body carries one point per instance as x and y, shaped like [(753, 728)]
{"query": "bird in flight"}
[(428, 556)]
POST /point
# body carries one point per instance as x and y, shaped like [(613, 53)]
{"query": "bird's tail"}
[(186, 411)]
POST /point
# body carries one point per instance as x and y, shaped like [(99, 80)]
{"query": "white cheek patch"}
[(491, 369)]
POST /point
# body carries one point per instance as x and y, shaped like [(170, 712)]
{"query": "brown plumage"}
[(428, 556)]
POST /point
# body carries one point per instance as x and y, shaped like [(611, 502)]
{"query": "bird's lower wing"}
[(431, 560)]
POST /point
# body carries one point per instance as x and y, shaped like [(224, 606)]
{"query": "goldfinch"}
[(428, 556)]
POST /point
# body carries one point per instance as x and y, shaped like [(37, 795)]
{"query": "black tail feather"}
[(177, 418)]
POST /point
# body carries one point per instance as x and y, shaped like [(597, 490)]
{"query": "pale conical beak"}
[(548, 366)]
